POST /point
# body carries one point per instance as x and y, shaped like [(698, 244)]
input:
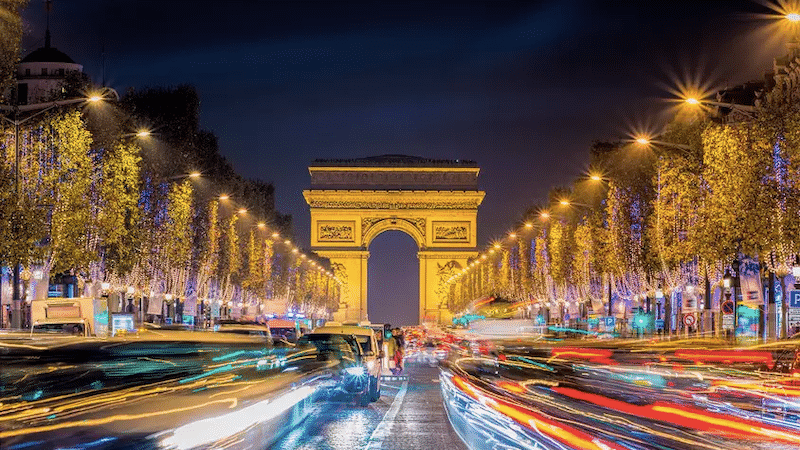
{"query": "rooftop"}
[(47, 54), (393, 161)]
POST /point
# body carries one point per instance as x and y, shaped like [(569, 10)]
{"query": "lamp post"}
[(15, 111)]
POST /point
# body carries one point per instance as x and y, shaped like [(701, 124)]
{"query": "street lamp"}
[(748, 110), (41, 108)]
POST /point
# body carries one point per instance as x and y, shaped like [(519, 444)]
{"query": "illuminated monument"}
[(433, 201)]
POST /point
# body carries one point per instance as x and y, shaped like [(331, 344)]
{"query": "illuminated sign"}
[(122, 322)]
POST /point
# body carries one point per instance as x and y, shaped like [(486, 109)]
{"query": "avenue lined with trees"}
[(715, 198), (133, 197)]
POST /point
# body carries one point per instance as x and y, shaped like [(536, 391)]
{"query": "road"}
[(203, 390), (409, 416)]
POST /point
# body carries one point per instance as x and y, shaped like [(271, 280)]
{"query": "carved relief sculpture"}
[(336, 232), (444, 272), (451, 231), (369, 222)]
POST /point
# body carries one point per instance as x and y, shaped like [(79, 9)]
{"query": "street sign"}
[(793, 317), (727, 321), (660, 323), (794, 299), (727, 307), (689, 320), (609, 322)]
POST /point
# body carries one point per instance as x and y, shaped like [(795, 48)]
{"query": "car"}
[(243, 328), (284, 331), (351, 376), (372, 353)]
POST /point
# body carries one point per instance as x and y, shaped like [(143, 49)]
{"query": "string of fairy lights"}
[(306, 262), (276, 236)]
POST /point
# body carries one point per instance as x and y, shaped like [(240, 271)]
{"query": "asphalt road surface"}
[(409, 416)]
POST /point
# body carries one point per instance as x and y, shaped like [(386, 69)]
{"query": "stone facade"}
[(438, 211)]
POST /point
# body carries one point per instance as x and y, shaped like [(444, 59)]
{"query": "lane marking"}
[(385, 427)]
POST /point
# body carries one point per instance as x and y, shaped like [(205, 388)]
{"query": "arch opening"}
[(406, 226), (393, 278)]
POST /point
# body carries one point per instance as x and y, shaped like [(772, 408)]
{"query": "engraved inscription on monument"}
[(451, 231), (335, 231)]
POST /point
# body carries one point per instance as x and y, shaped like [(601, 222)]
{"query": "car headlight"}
[(355, 371), (370, 365)]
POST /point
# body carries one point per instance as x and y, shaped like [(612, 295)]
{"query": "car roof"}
[(243, 326), (344, 329)]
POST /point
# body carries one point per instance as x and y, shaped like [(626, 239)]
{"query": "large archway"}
[(393, 279), (433, 201)]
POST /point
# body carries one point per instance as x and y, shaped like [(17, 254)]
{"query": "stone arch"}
[(394, 224), (433, 201)]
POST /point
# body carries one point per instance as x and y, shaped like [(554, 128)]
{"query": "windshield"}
[(365, 342), (331, 343), (243, 331), (68, 328)]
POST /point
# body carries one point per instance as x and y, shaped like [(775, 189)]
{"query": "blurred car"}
[(241, 328), (433, 352), (371, 353), (352, 376), (170, 327)]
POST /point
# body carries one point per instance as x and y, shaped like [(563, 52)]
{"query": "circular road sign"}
[(727, 307), (689, 320)]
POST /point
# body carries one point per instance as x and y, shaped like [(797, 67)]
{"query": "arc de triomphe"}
[(434, 201)]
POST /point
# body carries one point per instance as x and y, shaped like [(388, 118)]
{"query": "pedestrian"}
[(390, 343), (397, 336)]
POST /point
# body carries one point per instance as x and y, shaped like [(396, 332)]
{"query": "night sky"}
[(523, 88)]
